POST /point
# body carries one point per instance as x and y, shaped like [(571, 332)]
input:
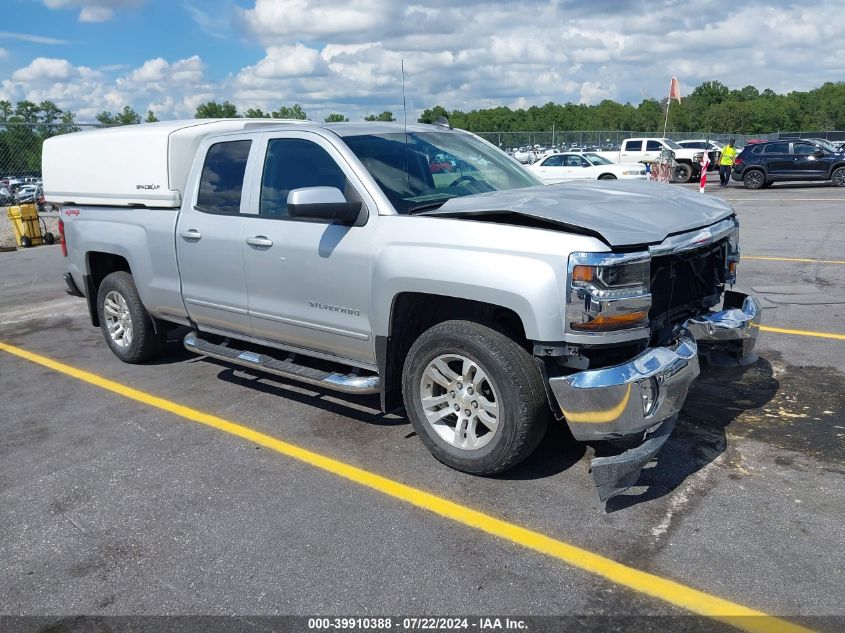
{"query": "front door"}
[(808, 162), (208, 242), (308, 281)]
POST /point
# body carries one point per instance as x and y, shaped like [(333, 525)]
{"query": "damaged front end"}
[(636, 325)]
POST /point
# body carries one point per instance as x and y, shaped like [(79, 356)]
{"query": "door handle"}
[(191, 235), (259, 241)]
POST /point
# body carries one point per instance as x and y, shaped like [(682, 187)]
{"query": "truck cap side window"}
[(293, 163), (222, 179)]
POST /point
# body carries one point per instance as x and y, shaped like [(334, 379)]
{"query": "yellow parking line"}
[(652, 585), (795, 259), (780, 330)]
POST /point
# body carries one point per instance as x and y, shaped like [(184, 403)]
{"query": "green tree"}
[(336, 118), (127, 116), (432, 114), (384, 116), (214, 110), (284, 112), (151, 117), (27, 111), (6, 110), (256, 113)]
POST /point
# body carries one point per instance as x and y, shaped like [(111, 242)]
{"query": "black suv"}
[(762, 164)]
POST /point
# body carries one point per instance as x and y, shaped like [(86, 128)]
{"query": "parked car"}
[(763, 164), (713, 149), (584, 165), (28, 193), (635, 150), (484, 301), (6, 197)]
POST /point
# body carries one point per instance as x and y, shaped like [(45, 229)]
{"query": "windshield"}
[(671, 144), (422, 170), (823, 143), (595, 159)]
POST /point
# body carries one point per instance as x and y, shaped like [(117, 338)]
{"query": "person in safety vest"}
[(726, 163)]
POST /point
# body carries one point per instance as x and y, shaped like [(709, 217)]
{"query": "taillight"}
[(738, 161), (62, 237)]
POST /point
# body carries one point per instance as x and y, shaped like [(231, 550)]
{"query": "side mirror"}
[(325, 204), (818, 152)]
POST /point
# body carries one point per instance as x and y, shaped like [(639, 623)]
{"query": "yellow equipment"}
[(27, 226)]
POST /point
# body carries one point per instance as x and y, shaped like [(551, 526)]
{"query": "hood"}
[(621, 213)]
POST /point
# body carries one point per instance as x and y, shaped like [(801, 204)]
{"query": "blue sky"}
[(345, 56)]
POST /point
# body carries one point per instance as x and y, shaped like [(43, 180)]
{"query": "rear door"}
[(632, 151), (208, 241), (308, 281), (552, 170), (778, 160)]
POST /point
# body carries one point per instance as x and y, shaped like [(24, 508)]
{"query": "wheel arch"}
[(98, 265), (412, 313)]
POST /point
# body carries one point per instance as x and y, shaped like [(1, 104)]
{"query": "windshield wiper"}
[(426, 205)]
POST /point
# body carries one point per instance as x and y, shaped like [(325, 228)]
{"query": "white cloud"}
[(28, 37), (345, 56), (3, 53), (93, 10)]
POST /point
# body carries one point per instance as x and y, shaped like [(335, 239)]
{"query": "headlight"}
[(608, 292), (733, 255)]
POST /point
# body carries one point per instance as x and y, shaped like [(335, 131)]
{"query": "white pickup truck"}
[(350, 257), (636, 150)]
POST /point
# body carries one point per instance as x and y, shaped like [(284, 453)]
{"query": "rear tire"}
[(49, 238), (607, 177), (838, 177), (753, 179), (681, 173), (25, 242), (508, 391), (125, 322)]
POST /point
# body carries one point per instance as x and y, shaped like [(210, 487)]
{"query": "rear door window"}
[(553, 161), (776, 148), (633, 146), (222, 178)]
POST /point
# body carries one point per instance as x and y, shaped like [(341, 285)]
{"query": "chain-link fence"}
[(607, 139)]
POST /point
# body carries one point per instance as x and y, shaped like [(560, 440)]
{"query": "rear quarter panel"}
[(144, 237)]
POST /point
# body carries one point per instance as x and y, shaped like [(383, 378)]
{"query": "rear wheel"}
[(126, 324), (49, 238), (838, 177), (475, 397), (25, 242), (753, 179), (607, 177), (681, 173)]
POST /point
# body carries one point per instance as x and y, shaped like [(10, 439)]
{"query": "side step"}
[(345, 383)]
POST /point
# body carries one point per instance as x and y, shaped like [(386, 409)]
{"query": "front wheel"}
[(126, 324), (475, 397), (607, 177), (838, 177), (681, 173)]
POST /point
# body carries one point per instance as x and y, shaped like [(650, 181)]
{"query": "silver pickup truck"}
[(418, 263)]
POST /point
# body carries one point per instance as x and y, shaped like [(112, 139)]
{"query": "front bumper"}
[(729, 336), (639, 400)]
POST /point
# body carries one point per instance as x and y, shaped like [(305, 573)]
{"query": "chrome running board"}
[(344, 383)]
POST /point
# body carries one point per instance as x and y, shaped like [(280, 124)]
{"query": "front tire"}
[(682, 173), (475, 397), (125, 322), (607, 177), (838, 177)]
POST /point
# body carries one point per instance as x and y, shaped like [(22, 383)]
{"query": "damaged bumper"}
[(729, 336), (637, 402)]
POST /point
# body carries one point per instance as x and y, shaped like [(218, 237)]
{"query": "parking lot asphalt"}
[(111, 506)]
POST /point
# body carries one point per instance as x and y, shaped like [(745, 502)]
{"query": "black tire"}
[(25, 242), (49, 238), (681, 173), (146, 343), (768, 184), (518, 384), (607, 177), (753, 179), (838, 177)]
